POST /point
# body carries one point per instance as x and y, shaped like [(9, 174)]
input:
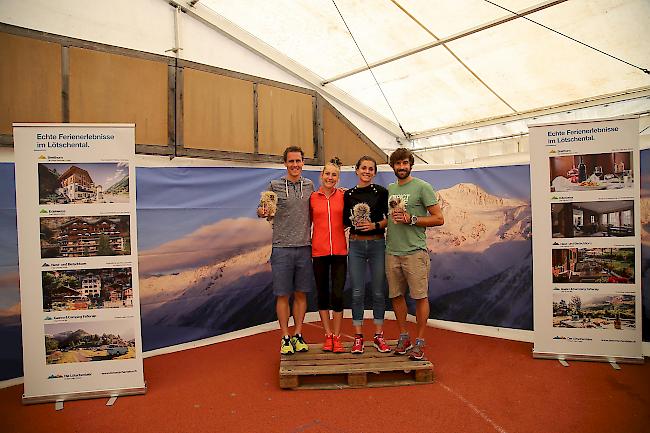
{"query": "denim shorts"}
[(292, 270)]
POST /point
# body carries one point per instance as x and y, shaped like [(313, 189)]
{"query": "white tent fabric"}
[(499, 72)]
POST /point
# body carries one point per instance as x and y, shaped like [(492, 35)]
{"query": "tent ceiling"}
[(509, 68)]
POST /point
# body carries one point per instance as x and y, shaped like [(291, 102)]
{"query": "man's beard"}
[(402, 174)]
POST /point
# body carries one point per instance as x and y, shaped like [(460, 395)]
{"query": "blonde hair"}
[(334, 162)]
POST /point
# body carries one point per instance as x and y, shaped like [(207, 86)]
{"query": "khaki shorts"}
[(408, 272)]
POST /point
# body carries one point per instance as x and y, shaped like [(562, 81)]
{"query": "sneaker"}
[(417, 352), (286, 348), (327, 346), (380, 343), (403, 345), (337, 347), (357, 346), (299, 344)]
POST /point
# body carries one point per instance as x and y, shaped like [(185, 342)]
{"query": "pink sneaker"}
[(327, 346), (380, 343), (357, 346), (337, 347)]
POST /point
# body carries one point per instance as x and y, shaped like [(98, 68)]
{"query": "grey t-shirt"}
[(292, 223)]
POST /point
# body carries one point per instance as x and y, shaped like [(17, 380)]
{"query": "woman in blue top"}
[(364, 212)]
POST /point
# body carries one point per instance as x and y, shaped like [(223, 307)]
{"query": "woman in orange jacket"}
[(329, 252)]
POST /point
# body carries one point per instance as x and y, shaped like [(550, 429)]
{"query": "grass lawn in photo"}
[(89, 341), (589, 310)]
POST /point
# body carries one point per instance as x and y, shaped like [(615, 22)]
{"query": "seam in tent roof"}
[(573, 39), (458, 59), (459, 35), (370, 70)]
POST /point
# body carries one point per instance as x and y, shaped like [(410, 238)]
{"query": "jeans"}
[(371, 252)]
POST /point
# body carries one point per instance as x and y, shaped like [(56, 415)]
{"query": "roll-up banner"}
[(77, 246), (585, 193)]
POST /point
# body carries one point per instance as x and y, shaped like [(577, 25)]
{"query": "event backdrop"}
[(204, 255)]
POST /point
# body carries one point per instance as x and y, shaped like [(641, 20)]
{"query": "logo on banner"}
[(52, 212)]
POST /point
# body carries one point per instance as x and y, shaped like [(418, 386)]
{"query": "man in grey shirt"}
[(291, 264)]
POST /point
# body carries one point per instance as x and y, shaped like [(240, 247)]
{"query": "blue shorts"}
[(292, 270)]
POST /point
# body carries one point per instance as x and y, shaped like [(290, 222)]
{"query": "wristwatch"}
[(414, 220), (377, 226)]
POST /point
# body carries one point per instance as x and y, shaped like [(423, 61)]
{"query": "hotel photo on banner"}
[(585, 194)]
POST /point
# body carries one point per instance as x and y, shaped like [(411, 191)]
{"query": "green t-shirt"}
[(403, 239)]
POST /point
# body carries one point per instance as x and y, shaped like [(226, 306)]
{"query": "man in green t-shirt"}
[(413, 207)]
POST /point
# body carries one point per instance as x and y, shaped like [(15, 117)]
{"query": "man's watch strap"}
[(414, 220)]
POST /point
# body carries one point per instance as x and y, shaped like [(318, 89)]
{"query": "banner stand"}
[(597, 358), (78, 254), (84, 395), (585, 197)]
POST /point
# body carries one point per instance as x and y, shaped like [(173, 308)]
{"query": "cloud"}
[(14, 310), (9, 280), (208, 244), (119, 175), (9, 293)]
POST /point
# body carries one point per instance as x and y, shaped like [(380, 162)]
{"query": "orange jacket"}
[(328, 235)]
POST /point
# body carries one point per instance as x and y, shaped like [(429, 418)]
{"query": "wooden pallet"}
[(325, 370)]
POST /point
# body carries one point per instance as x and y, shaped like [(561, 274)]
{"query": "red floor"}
[(481, 385)]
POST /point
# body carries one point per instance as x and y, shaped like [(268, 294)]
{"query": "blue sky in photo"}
[(123, 328), (174, 202), (8, 182), (8, 234), (105, 174), (505, 181)]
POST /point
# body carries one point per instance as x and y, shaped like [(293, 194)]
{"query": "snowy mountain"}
[(121, 186), (645, 220), (206, 280), (506, 296), (475, 220), (225, 296)]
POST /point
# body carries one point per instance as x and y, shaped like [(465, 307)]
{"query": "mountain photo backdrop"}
[(204, 254)]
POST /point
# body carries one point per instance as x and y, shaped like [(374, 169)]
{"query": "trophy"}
[(269, 201), (395, 202), (360, 212)]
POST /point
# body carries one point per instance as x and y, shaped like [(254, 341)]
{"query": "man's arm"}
[(434, 219)]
